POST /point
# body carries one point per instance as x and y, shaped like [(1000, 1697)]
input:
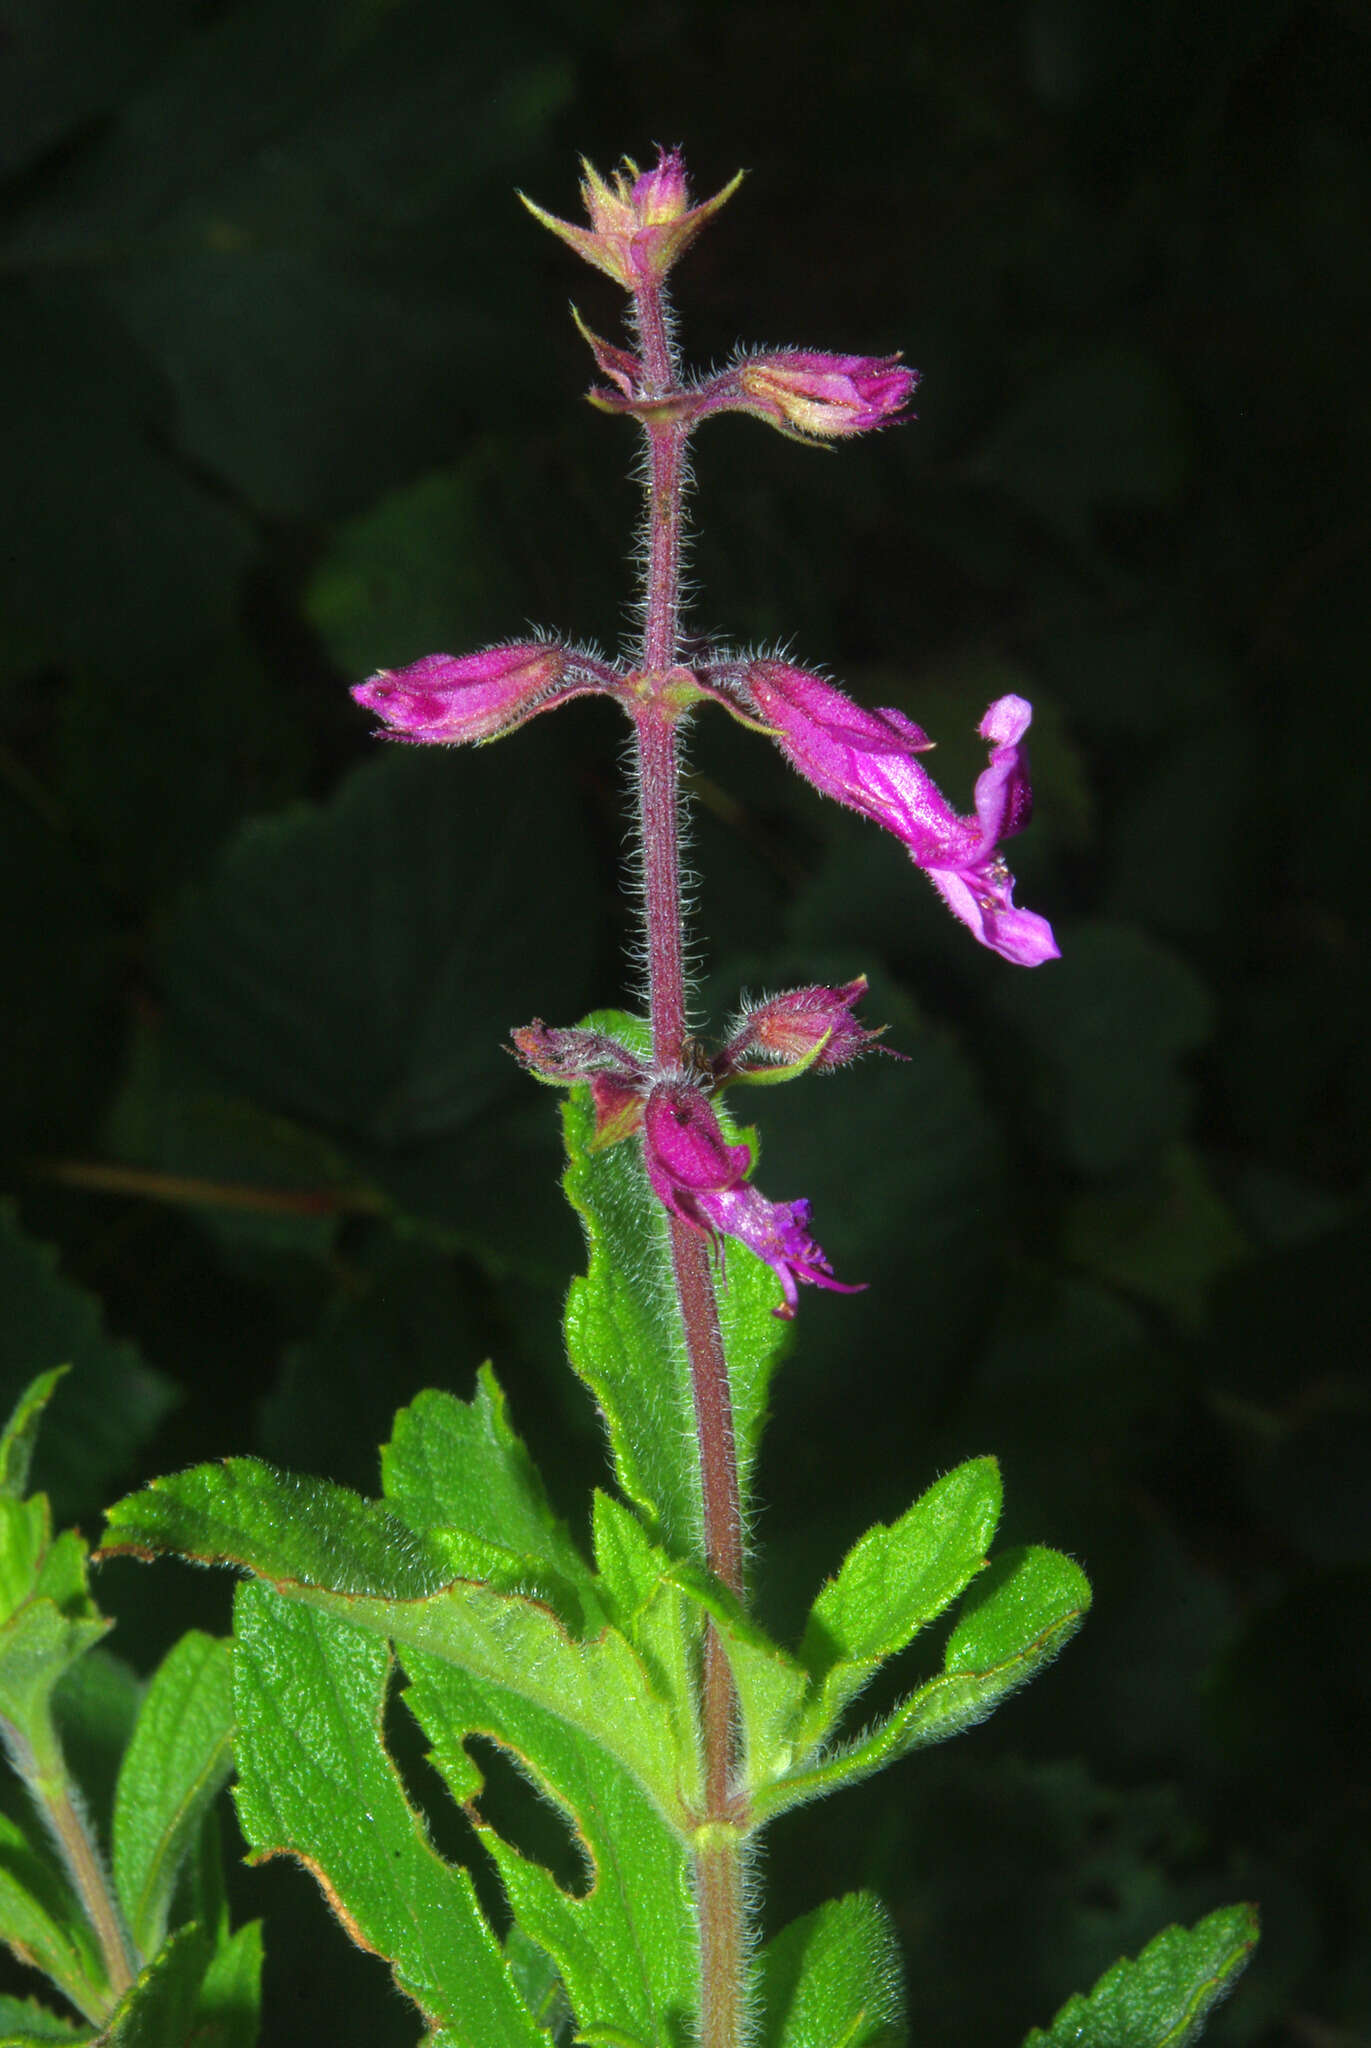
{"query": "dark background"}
[(289, 393)]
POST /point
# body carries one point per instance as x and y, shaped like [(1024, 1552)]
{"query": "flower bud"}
[(640, 224), (790, 1034), (444, 699), (566, 1055), (814, 396)]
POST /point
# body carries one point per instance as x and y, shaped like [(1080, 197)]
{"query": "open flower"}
[(641, 222), (866, 760), (816, 396), (697, 1175), (445, 699)]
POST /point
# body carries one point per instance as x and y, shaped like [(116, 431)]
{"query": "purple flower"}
[(640, 224), (815, 396), (866, 760), (697, 1175), (445, 699)]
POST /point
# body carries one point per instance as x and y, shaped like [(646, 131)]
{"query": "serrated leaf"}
[(49, 1622), (354, 1559), (1163, 1997), (537, 1980), (625, 1950), (21, 1432), (1024, 1609), (112, 1402), (293, 1531), (894, 1581), (315, 1782), (357, 965), (158, 2009), (623, 1326), (26, 2024), (832, 1979), (228, 2008), (38, 1645), (177, 1760), (42, 1922), (459, 1465)]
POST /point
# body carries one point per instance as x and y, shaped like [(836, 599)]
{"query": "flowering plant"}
[(633, 1684)]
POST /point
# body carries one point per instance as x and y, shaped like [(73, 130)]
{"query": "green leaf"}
[(159, 2008), (650, 1610), (21, 1432), (832, 1979), (26, 2024), (537, 1980), (42, 1921), (354, 1559), (228, 2009), (178, 1759), (894, 1581), (459, 1466), (111, 1404), (49, 1622), (625, 1949), (299, 1533), (38, 1645), (623, 1326), (358, 965), (1023, 1610), (315, 1782), (1163, 1998)]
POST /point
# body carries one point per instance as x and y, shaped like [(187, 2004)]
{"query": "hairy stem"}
[(36, 1754), (718, 1858), (82, 1859)]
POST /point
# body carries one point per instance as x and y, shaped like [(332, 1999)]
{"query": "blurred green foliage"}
[(288, 395)]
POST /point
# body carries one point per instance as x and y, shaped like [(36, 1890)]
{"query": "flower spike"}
[(641, 222), (866, 760)]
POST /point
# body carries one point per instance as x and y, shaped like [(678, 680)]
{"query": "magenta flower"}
[(697, 1175), (445, 699), (865, 759), (802, 1030), (816, 396), (641, 224)]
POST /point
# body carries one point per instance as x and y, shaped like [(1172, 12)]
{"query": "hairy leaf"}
[(42, 1922), (1163, 1997), (356, 1560), (1025, 1608), (458, 1465), (315, 1782), (26, 2024), (625, 1949), (178, 1759), (623, 1326), (112, 1402), (231, 1995), (832, 1979), (894, 1581)]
